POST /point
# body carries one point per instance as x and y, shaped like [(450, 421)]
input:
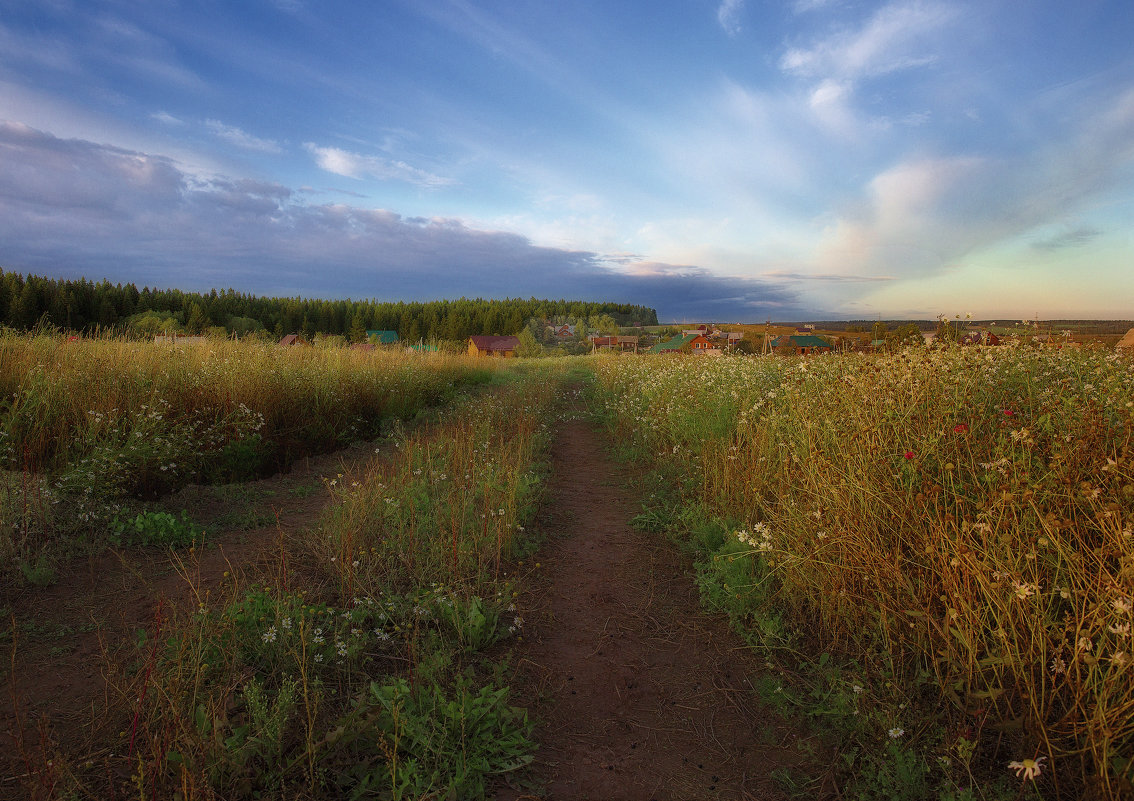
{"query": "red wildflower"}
[(960, 428), (909, 454), (1009, 413)]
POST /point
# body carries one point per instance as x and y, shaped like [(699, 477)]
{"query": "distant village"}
[(553, 338)]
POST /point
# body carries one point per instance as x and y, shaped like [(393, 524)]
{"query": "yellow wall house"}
[(493, 346)]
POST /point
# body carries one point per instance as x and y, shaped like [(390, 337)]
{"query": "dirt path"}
[(643, 695)]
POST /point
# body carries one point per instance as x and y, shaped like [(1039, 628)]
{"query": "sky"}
[(729, 160)]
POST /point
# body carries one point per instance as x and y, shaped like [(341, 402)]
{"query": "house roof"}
[(673, 344), (384, 337), (803, 341), (293, 339), (1127, 342), (484, 342)]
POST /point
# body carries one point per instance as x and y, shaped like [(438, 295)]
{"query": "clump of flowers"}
[(759, 538)]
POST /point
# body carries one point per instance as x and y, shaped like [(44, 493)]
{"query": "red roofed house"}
[(493, 346), (701, 344)]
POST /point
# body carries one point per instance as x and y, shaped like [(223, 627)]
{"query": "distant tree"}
[(195, 318), (357, 328), (528, 346)]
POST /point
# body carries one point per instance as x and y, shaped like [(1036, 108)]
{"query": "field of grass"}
[(86, 426), (935, 548), (367, 660)]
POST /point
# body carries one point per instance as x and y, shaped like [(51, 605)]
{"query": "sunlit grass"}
[(960, 517)]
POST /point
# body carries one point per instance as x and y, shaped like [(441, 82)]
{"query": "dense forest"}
[(84, 306)]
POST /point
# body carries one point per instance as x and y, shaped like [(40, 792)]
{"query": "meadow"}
[(934, 549), (87, 425)]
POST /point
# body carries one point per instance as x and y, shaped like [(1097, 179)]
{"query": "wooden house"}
[(801, 345), (1126, 344), (504, 347), (293, 339)]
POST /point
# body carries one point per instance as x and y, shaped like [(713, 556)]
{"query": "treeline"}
[(85, 306)]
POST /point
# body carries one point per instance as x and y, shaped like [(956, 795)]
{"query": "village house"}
[(293, 339), (504, 347), (563, 332), (382, 337), (613, 343), (801, 344), (673, 345), (701, 345), (1126, 344)]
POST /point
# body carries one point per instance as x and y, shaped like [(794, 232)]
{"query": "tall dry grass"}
[(958, 523), (85, 424)]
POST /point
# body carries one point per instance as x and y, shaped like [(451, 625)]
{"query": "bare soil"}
[(638, 693), (61, 679)]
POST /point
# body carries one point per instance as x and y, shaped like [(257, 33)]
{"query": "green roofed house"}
[(674, 345), (383, 337), (802, 344)]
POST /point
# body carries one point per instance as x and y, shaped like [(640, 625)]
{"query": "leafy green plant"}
[(441, 744), (38, 571), (157, 528)]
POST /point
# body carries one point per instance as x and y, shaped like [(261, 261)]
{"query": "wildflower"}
[(1122, 605), (1058, 666), (909, 454), (1023, 591), (896, 732), (318, 657), (858, 689), (1119, 659), (1084, 644), (960, 428), (270, 635), (1121, 629), (1028, 768), (286, 622)]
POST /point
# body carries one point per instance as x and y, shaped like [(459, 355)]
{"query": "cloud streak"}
[(241, 139), (897, 37), (354, 165), (728, 15)]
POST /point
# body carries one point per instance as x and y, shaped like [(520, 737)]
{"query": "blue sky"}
[(730, 160)]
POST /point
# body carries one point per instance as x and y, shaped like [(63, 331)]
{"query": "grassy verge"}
[(369, 661), (934, 547)]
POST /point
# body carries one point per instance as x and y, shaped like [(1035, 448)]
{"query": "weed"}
[(157, 528)]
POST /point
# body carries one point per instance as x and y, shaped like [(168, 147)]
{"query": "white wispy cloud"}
[(355, 165), (166, 118), (898, 36), (241, 138), (728, 15)]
